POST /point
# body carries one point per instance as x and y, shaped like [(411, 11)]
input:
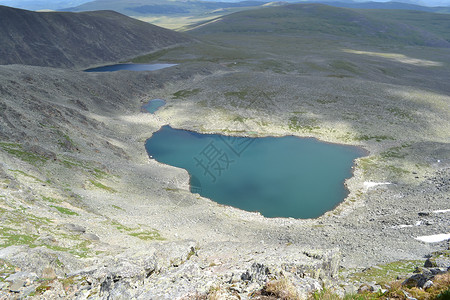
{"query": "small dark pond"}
[(277, 176), (153, 105), (130, 67)]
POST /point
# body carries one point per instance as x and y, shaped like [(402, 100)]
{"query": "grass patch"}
[(148, 235), (102, 186), (117, 207), (377, 138), (66, 141), (26, 175), (9, 237), (394, 152), (400, 113), (64, 210), (239, 119), (367, 164), (151, 56), (397, 171), (50, 199), (387, 272), (297, 124), (17, 151), (185, 93), (42, 289), (6, 268)]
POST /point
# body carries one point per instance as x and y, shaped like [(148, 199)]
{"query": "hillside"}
[(169, 14), (386, 5), (327, 21), (161, 7), (76, 39)]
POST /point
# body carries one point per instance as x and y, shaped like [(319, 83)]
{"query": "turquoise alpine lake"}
[(130, 67), (153, 105), (276, 176)]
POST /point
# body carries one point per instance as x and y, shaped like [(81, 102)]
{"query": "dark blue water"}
[(153, 105), (277, 176), (130, 67)]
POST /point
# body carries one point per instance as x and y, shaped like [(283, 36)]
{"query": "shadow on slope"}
[(77, 39)]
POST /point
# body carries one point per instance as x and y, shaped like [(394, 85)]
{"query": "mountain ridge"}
[(74, 40), (325, 20)]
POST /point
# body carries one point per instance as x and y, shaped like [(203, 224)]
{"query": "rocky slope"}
[(85, 213), (77, 39)]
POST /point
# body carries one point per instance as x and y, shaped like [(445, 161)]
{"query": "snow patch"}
[(434, 238), (441, 211), (370, 184), (402, 226)]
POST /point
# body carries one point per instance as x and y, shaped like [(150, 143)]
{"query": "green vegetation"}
[(65, 141), (394, 290), (297, 124), (315, 19), (239, 119), (51, 199), (367, 164), (377, 138), (395, 152), (18, 151), (10, 237), (5, 268), (147, 235), (42, 288), (151, 56), (102, 186), (26, 175), (117, 207), (185, 93), (432, 22), (387, 272), (397, 171), (401, 113), (65, 211)]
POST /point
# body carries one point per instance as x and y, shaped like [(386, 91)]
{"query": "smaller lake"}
[(276, 176), (153, 105), (130, 67)]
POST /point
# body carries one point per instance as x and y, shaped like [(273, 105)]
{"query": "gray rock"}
[(257, 273), (74, 228), (417, 280), (90, 236), (48, 273), (429, 264), (427, 284), (365, 288), (22, 276), (17, 285), (29, 290)]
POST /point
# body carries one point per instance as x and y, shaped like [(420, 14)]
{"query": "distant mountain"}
[(76, 39), (330, 22), (42, 4), (385, 5), (161, 7)]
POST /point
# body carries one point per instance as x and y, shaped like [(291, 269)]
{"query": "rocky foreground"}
[(86, 214)]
